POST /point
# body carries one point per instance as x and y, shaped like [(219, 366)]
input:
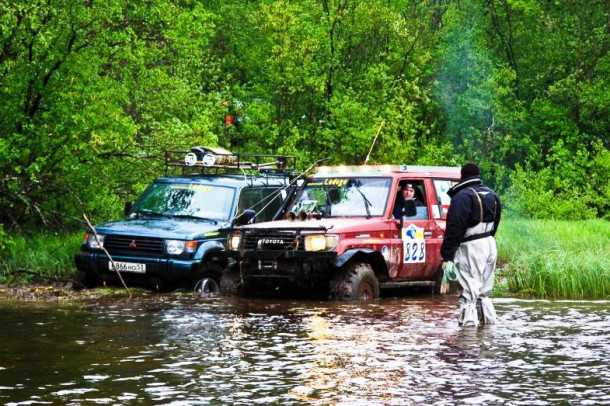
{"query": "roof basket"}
[(217, 160)]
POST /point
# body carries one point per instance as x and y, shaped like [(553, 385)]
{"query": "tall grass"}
[(555, 259), (39, 257), (537, 258)]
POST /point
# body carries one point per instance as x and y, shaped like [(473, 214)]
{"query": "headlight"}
[(174, 247), (321, 242), (233, 242), (177, 247), (92, 243)]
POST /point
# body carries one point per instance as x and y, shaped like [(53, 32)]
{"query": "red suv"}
[(350, 232)]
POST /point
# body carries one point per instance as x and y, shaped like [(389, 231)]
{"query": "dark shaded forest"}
[(92, 93)]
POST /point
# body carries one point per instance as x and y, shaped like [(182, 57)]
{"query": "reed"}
[(555, 259)]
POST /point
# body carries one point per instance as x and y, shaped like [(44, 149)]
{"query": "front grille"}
[(271, 241), (129, 245)]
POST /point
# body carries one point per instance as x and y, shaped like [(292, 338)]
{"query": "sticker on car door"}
[(414, 244)]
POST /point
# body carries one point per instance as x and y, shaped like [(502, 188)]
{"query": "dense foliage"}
[(92, 93)]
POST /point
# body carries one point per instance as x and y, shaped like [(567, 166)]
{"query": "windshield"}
[(189, 200), (340, 197)]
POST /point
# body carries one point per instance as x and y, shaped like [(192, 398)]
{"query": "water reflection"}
[(190, 351)]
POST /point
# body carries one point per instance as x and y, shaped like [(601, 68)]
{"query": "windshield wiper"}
[(189, 216), (367, 204), (152, 213)]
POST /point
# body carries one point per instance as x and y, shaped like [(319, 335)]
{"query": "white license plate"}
[(128, 267)]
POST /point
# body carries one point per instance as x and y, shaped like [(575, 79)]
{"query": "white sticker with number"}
[(414, 245)]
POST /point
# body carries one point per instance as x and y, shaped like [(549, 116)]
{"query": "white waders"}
[(476, 262)]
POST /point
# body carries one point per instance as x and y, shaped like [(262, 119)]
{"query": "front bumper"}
[(301, 267), (166, 270)]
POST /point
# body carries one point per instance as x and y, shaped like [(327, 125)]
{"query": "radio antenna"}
[(373, 144)]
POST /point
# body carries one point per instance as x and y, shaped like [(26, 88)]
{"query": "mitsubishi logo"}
[(132, 244)]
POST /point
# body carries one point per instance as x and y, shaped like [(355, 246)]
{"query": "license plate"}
[(128, 267)]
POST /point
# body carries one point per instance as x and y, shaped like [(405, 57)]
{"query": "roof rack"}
[(383, 169), (212, 160)]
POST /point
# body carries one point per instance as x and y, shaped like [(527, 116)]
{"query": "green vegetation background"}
[(93, 92)]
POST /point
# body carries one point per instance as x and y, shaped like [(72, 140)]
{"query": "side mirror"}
[(244, 217), (410, 208), (128, 207)]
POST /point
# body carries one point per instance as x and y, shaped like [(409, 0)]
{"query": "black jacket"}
[(465, 212)]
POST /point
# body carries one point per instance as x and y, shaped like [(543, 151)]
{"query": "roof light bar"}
[(218, 158)]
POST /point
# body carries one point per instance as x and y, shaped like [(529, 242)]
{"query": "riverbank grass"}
[(555, 259), (39, 257)]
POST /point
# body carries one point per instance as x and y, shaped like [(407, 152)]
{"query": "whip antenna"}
[(373, 144)]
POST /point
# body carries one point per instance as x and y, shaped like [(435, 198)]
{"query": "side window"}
[(248, 199), (441, 187), (273, 201), (257, 198), (412, 189)]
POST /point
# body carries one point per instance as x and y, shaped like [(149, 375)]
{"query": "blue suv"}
[(173, 234)]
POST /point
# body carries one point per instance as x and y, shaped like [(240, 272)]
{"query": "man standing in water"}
[(472, 222)]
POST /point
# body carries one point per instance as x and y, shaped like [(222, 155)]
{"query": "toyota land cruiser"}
[(340, 237)]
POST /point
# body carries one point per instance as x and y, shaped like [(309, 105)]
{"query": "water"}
[(396, 351)]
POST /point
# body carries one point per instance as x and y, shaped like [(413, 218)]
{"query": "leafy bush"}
[(6, 243), (575, 186)]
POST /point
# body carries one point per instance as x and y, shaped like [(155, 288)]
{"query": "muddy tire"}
[(207, 287), (438, 281), (356, 281), (230, 283), (205, 280)]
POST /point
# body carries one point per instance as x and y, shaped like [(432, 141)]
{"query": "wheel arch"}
[(370, 256), (212, 251)]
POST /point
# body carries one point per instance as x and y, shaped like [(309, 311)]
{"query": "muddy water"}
[(397, 351)]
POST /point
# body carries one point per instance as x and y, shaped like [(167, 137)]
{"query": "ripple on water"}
[(390, 352)]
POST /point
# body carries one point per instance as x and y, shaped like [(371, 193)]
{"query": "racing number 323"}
[(415, 251)]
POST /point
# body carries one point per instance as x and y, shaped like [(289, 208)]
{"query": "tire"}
[(207, 287), (230, 283), (438, 281), (356, 281), (206, 277), (86, 280)]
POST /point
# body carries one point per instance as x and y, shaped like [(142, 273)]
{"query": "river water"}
[(395, 351)]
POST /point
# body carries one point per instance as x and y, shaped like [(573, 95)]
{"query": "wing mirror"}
[(410, 208), (244, 217), (127, 208)]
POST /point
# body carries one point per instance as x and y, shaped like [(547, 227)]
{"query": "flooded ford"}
[(393, 351)]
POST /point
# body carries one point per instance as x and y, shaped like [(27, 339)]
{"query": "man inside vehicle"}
[(407, 191)]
